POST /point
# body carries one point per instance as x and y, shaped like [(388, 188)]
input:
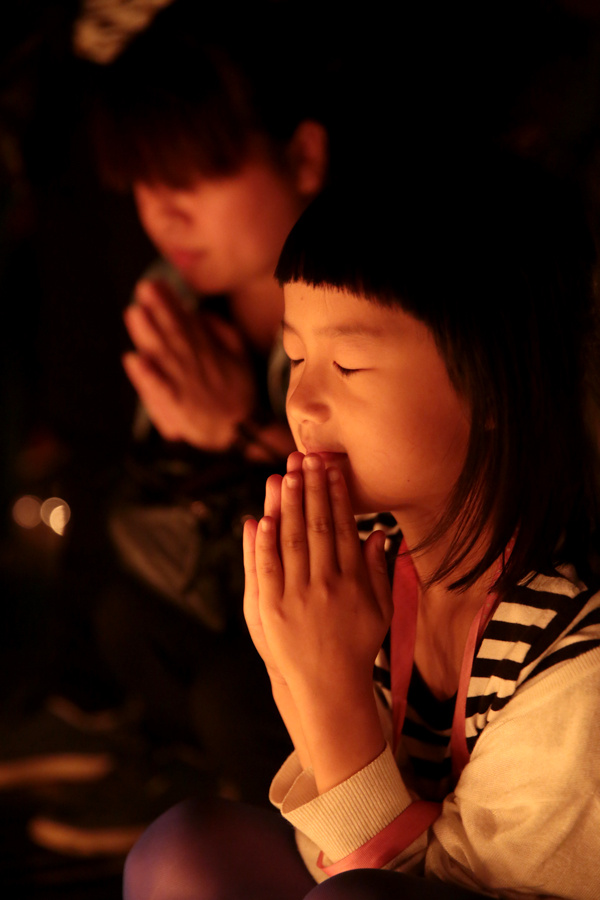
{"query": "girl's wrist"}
[(343, 733), (289, 713)]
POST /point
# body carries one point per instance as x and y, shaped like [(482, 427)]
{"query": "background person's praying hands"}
[(190, 369)]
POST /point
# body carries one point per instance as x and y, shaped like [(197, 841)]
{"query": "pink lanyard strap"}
[(402, 654), (403, 637)]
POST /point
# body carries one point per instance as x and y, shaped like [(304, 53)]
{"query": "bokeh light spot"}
[(55, 513), (26, 511)]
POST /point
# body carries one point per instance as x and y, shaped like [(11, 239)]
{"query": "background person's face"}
[(222, 233)]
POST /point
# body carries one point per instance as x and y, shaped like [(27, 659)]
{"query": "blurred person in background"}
[(217, 122)]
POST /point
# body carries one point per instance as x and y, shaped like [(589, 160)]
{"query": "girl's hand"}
[(272, 509), (281, 693), (251, 597), (318, 609), (325, 605), (190, 369)]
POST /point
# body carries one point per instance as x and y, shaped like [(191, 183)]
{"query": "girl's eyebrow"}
[(347, 329)]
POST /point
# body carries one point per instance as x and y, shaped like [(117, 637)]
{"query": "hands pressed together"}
[(190, 369), (317, 602), (318, 606)]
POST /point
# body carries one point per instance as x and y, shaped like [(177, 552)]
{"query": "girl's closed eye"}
[(293, 351), (344, 371)]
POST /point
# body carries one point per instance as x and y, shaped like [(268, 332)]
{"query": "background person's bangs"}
[(171, 146)]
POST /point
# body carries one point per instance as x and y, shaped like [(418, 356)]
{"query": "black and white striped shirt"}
[(542, 624)]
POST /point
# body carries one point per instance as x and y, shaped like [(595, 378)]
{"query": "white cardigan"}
[(524, 818)]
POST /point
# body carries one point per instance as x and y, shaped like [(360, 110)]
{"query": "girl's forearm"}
[(291, 719), (337, 737), (342, 733)]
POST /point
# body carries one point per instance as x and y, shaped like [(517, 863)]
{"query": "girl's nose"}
[(306, 400)]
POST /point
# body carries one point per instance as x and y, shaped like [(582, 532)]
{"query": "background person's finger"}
[(173, 322), (156, 393), (150, 340), (143, 330)]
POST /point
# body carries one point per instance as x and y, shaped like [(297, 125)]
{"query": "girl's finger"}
[(269, 571), (251, 582), (317, 513), (377, 570), (273, 503), (294, 463), (292, 532), (273, 497), (347, 541)]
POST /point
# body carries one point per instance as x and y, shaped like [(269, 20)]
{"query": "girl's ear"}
[(308, 153)]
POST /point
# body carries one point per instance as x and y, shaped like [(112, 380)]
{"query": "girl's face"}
[(225, 233), (370, 391)]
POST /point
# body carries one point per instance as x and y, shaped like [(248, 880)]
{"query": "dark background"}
[(527, 72)]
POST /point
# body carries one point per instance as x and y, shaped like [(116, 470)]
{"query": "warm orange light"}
[(26, 511), (55, 513)]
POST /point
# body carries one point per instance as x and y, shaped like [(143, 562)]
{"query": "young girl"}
[(440, 333)]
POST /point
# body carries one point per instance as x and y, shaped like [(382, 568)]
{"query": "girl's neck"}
[(415, 531), (444, 620), (257, 309)]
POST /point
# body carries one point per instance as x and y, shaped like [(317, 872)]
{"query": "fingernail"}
[(333, 475), (312, 462), (266, 525), (292, 480)]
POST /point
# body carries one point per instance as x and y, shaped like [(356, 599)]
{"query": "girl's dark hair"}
[(495, 256), (192, 92)]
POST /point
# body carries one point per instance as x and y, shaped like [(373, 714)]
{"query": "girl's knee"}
[(206, 849), (167, 860)]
